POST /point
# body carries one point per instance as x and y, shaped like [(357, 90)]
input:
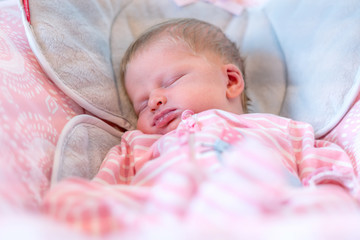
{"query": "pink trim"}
[(27, 10)]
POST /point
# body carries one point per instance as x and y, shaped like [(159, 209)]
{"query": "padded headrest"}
[(301, 56)]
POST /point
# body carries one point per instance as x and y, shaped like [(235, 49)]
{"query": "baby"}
[(182, 65), (184, 78), (197, 157)]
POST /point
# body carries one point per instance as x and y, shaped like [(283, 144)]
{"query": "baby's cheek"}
[(142, 125)]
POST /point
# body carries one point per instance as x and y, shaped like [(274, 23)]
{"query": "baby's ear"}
[(235, 81)]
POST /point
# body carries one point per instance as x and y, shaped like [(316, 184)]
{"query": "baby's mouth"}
[(165, 117)]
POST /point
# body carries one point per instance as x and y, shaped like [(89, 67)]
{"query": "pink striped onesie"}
[(216, 167)]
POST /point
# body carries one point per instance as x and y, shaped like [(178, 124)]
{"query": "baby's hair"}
[(198, 35)]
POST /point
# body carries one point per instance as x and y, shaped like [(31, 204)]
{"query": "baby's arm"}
[(318, 161)]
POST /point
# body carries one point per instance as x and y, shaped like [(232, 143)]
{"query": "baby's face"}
[(165, 79)]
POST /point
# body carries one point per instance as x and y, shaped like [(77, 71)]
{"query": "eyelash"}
[(172, 80)]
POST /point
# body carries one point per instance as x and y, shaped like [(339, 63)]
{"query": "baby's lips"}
[(164, 118)]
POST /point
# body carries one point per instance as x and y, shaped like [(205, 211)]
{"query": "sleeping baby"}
[(185, 80), (196, 151)]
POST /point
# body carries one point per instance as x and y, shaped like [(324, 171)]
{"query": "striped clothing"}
[(216, 167), (140, 158)]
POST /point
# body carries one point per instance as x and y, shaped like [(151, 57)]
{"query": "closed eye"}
[(141, 107), (171, 81)]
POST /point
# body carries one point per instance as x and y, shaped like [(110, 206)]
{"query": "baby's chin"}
[(170, 127)]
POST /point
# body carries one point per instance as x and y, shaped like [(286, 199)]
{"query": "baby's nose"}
[(156, 101)]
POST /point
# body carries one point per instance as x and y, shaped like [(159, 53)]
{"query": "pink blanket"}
[(218, 173)]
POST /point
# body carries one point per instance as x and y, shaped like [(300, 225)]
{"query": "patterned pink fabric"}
[(215, 169), (33, 112)]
